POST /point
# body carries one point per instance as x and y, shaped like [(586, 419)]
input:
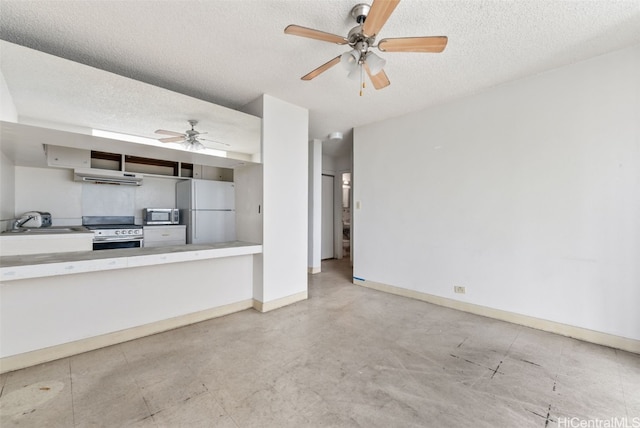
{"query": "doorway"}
[(327, 224), (346, 214)]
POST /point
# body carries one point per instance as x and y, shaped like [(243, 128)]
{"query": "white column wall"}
[(315, 206), (527, 194), (285, 137)]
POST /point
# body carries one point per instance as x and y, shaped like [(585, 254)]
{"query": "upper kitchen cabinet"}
[(57, 94), (67, 157)]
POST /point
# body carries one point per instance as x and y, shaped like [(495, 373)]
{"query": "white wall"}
[(49, 189), (8, 112), (248, 185), (527, 194), (7, 191), (328, 165), (60, 309), (285, 130)]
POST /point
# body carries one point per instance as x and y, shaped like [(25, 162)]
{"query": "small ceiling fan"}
[(361, 38), (190, 139)]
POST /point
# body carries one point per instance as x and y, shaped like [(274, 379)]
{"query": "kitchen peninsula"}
[(98, 302), (68, 303)]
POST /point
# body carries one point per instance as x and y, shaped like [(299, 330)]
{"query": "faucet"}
[(17, 223)]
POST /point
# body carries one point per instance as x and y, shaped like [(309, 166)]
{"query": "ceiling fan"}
[(361, 38), (190, 139)]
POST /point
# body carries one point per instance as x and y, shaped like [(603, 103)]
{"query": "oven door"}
[(111, 245)]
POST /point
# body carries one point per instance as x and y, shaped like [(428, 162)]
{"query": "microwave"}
[(160, 216)]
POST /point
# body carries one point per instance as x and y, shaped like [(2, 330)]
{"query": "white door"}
[(327, 229)]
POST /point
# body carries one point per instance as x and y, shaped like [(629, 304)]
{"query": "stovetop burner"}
[(109, 222), (112, 228)]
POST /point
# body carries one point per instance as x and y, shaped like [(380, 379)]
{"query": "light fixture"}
[(355, 73), (356, 59), (375, 63), (350, 60), (192, 145), (335, 136)]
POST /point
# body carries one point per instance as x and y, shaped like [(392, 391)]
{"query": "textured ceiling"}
[(71, 96), (229, 52)]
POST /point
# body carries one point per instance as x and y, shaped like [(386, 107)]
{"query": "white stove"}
[(110, 232)]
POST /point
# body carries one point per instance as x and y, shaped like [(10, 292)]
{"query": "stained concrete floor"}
[(348, 356)]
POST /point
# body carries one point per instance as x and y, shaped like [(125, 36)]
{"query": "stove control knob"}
[(117, 232)]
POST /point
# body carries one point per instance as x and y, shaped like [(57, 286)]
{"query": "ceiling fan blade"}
[(378, 14), (297, 30), (324, 67), (215, 142), (379, 80), (413, 44), (162, 131), (171, 139)]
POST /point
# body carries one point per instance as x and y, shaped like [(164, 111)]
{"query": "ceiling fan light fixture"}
[(355, 73), (197, 145), (192, 145), (375, 63), (349, 60)]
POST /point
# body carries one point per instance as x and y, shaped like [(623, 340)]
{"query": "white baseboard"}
[(314, 270), (584, 334), (27, 359), (279, 303)]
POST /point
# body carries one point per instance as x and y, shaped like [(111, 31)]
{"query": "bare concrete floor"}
[(348, 356)]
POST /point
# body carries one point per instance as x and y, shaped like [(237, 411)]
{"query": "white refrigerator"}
[(208, 209)]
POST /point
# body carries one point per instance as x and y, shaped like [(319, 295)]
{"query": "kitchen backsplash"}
[(106, 199), (53, 190)]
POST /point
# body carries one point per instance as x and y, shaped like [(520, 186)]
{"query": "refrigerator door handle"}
[(194, 217), (195, 195)]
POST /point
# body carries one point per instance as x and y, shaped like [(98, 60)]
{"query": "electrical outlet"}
[(458, 289)]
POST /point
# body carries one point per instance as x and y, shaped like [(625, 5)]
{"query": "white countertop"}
[(52, 232), (42, 265)]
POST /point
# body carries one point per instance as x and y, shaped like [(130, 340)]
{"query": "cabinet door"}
[(171, 235), (68, 157)]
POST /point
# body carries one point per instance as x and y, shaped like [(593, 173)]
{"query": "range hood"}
[(106, 176)]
